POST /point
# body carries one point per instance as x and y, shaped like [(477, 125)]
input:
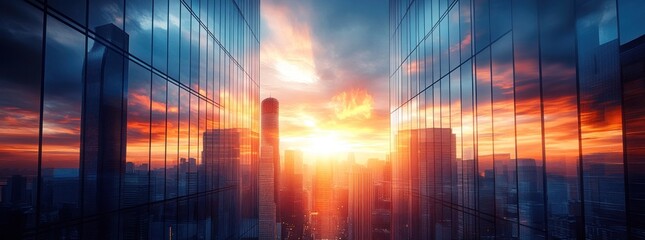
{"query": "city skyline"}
[(282, 120)]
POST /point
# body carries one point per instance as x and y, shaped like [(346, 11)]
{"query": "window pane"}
[(557, 45), (63, 96), (485, 159), (528, 117), (504, 137), (139, 25), (21, 28), (160, 25), (104, 12), (601, 136)]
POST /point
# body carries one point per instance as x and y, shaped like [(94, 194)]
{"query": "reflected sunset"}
[(335, 119)]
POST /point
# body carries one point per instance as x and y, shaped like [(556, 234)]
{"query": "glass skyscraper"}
[(129, 119), (517, 119)]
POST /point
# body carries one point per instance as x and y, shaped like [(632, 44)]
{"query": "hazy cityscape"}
[(388, 119)]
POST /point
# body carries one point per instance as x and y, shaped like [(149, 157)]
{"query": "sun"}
[(326, 144)]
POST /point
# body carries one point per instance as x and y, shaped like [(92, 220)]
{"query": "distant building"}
[(324, 210), (361, 202), (235, 157), (293, 197)]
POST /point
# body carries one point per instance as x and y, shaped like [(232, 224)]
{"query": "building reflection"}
[(540, 98), (108, 139)]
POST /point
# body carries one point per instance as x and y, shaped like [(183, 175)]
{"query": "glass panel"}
[(504, 137), (21, 43), (138, 25), (485, 165), (175, 37), (195, 55), (500, 18), (528, 117), (160, 37), (158, 109), (445, 46), (136, 179), (453, 30), (630, 15), (172, 142), (632, 60), (104, 133), (184, 48), (103, 12), (481, 21), (217, 92), (135, 186), (63, 96), (194, 156), (437, 187), (21, 28), (468, 151), (184, 138), (465, 26), (600, 120), (456, 151), (74, 10), (436, 56), (212, 50), (558, 68)]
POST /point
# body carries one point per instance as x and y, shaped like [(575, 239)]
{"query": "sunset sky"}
[(326, 62)]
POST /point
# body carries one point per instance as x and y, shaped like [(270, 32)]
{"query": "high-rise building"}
[(361, 202), (271, 138), (292, 196), (110, 117), (541, 100), (234, 159), (323, 210), (267, 205)]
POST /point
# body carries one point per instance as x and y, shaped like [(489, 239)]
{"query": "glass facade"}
[(129, 119), (517, 119)]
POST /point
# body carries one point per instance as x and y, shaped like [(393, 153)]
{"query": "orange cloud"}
[(288, 52), (355, 103)]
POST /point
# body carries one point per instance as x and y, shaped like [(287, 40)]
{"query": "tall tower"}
[(267, 209), (104, 128), (271, 138)]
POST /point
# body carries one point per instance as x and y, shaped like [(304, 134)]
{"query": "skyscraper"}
[(103, 133), (292, 196), (111, 109), (271, 138), (361, 202), (540, 97), (323, 201), (267, 205)]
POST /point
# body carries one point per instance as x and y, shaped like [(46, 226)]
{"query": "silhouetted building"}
[(103, 132)]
